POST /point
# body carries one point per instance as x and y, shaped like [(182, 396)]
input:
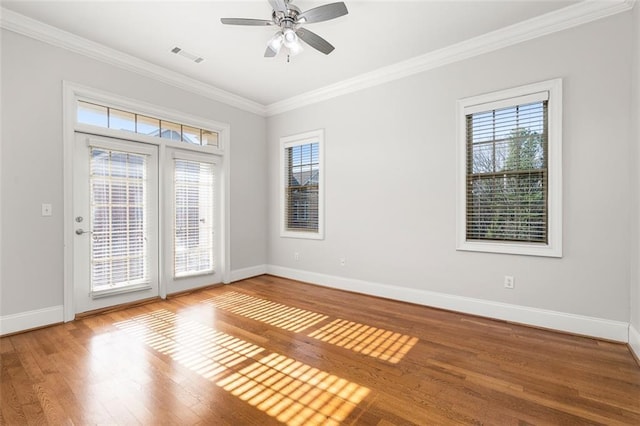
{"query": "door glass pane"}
[(193, 218), (118, 182)]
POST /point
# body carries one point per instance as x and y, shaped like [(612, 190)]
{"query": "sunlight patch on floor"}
[(196, 346), (288, 390), (374, 342), (275, 314), (295, 393)]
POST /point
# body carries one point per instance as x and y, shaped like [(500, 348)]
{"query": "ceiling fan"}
[(290, 19)]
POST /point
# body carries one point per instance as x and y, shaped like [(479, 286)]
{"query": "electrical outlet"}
[(46, 209), (296, 255), (343, 261), (509, 282)]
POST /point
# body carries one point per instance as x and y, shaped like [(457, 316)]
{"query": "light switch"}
[(46, 210)]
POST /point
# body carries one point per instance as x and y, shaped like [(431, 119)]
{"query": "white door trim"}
[(71, 93)]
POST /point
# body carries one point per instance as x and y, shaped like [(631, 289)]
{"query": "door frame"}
[(71, 94)]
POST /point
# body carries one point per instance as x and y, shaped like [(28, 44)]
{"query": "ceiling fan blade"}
[(323, 13), (246, 21), (315, 41), (278, 5)]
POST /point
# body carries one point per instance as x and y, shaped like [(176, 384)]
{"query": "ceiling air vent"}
[(190, 56)]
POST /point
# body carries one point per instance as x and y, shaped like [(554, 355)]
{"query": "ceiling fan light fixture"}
[(276, 41), (291, 41), (290, 38), (295, 48)]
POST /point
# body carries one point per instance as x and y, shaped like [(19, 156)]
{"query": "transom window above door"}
[(117, 119)]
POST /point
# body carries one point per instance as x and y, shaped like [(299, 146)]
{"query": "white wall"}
[(390, 155), (31, 277), (634, 329), (390, 182)]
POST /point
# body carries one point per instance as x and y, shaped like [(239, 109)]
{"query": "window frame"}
[(315, 136), (501, 99)]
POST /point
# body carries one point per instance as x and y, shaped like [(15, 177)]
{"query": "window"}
[(111, 118), (302, 187), (509, 171)]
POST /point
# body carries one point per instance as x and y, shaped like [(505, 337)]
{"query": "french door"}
[(115, 221), (124, 230), (192, 229)]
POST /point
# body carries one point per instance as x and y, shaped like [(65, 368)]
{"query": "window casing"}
[(509, 171), (301, 183)]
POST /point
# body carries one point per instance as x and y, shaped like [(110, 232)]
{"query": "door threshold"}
[(193, 290), (115, 308)]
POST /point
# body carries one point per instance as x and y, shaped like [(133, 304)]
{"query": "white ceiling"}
[(374, 34)]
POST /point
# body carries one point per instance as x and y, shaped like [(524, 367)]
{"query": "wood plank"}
[(300, 354), (10, 408)]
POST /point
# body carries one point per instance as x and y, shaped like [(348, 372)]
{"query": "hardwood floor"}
[(271, 351)]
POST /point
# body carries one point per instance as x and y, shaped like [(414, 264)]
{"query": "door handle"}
[(81, 231)]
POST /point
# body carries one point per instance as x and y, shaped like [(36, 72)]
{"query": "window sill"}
[(532, 249), (302, 235)]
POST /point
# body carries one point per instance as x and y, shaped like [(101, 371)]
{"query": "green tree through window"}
[(507, 174)]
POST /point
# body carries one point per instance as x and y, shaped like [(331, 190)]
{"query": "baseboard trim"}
[(253, 271), (634, 342), (576, 324), (28, 320), (24, 321)]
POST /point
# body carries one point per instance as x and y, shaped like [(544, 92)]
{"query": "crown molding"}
[(21, 24), (562, 19)]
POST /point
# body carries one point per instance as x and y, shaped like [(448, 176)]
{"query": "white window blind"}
[(507, 173), (119, 255), (194, 218), (302, 171)]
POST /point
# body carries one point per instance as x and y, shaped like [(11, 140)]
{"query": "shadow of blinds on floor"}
[(275, 314), (288, 390)]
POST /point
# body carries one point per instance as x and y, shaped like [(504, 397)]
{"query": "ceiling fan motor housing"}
[(286, 19)]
